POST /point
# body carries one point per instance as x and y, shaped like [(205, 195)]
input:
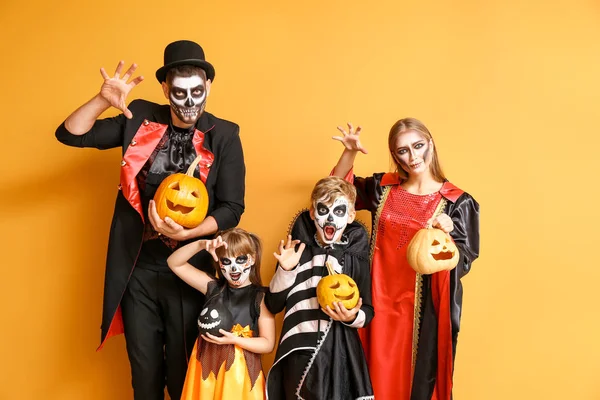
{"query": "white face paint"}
[(188, 97), (331, 220), (236, 269)]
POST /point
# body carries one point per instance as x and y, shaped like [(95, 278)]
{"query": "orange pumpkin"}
[(337, 287), (432, 250), (183, 198)]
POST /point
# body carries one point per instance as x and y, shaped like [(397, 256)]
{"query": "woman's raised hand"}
[(350, 138), (115, 90)]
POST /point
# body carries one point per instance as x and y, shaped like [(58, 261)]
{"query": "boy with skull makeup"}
[(320, 355), (142, 297)]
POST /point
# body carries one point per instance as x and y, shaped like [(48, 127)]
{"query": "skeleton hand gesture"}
[(115, 90), (213, 245), (288, 257), (350, 140)]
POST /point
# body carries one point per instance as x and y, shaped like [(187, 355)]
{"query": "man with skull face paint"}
[(142, 297), (319, 354)]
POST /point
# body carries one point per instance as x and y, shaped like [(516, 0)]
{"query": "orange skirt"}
[(231, 382)]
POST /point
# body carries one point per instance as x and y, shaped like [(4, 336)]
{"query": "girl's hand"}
[(443, 222), (288, 257), (350, 140), (341, 313), (213, 245), (228, 337)]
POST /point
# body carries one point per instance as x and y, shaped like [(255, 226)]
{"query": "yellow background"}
[(510, 90)]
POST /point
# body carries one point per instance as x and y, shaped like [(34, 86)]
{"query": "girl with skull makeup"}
[(411, 344), (235, 326)]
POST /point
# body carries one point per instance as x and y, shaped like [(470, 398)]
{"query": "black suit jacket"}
[(225, 183)]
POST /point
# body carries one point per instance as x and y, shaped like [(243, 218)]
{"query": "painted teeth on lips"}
[(416, 165), (186, 111), (209, 325)]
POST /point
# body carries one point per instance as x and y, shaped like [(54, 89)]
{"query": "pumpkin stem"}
[(193, 165), (330, 268)]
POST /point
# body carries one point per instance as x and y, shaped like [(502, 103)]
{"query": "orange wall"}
[(510, 90)]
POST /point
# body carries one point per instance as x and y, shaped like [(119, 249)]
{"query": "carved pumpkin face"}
[(337, 287), (432, 250), (213, 317), (182, 198)]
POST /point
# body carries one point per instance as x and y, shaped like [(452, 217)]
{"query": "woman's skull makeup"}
[(236, 269), (413, 152), (187, 96), (331, 220)]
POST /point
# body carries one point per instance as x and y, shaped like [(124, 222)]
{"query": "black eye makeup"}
[(241, 259), (178, 93), (340, 211), (322, 209), (225, 261)]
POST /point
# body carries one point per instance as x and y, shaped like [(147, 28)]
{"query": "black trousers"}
[(160, 314)]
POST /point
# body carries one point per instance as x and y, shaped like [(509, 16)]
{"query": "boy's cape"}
[(337, 369)]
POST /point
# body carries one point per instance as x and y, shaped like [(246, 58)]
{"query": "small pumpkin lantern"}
[(432, 250), (183, 198), (337, 287), (213, 317)]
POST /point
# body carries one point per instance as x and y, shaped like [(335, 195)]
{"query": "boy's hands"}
[(288, 257), (341, 313)]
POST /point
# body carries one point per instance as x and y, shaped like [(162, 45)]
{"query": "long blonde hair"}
[(413, 124)]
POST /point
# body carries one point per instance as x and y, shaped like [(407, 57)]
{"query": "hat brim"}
[(161, 73)]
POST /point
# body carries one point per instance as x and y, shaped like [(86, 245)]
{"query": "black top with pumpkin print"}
[(174, 153)]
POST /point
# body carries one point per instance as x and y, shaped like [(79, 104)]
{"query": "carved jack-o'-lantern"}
[(337, 287), (432, 250), (182, 198), (214, 316)]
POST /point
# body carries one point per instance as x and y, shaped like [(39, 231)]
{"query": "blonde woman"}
[(411, 342)]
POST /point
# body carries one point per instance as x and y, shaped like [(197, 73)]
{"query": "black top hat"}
[(184, 52)]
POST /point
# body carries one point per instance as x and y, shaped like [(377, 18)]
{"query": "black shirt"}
[(174, 154)]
